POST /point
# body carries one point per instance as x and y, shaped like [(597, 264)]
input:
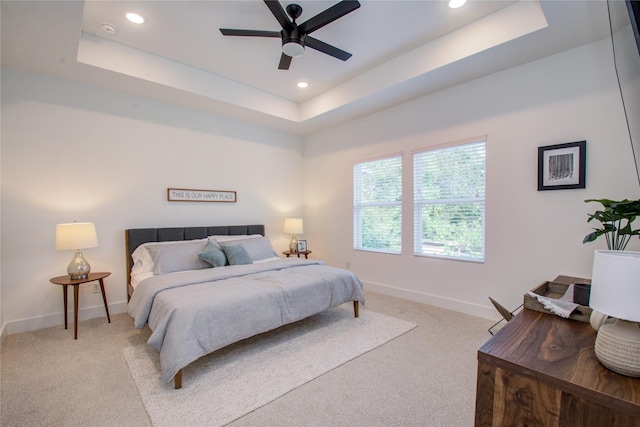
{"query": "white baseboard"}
[(447, 303), (34, 323), (3, 335)]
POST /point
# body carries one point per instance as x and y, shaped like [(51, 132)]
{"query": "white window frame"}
[(420, 202), (359, 205)]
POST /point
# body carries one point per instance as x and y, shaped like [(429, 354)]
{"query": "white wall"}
[(2, 334), (134, 149), (72, 152), (531, 236)]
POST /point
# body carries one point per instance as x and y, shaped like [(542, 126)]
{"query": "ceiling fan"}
[(295, 37)]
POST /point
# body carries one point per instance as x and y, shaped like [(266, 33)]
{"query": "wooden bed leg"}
[(177, 380), (356, 309)]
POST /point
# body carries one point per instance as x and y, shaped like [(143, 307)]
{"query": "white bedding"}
[(193, 313)]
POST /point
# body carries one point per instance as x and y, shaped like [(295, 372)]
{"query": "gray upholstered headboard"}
[(137, 236)]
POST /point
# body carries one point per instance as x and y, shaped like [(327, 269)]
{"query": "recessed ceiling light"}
[(135, 18), (454, 4), (302, 85)]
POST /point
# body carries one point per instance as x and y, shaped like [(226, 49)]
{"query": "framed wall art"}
[(562, 166), (187, 195)]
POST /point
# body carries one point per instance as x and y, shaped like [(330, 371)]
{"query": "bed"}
[(202, 288)]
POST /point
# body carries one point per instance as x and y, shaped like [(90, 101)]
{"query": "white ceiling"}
[(401, 50)]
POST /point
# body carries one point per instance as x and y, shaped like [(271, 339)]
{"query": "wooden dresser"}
[(541, 370)]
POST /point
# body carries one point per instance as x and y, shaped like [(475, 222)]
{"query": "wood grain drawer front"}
[(522, 401), (577, 412), (507, 399)]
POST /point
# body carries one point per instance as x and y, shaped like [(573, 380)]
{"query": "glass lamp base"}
[(78, 268), (293, 244)]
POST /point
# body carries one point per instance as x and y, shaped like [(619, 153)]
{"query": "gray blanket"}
[(197, 312)]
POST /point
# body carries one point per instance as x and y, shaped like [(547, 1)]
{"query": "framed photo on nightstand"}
[(302, 245)]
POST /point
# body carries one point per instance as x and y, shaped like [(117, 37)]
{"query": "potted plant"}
[(616, 220)]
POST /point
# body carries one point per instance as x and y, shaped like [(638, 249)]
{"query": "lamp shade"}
[(76, 235), (293, 226), (615, 284)]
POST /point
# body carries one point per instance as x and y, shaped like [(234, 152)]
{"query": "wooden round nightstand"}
[(65, 281), (305, 253)]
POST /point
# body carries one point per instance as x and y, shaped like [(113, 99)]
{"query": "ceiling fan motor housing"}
[(292, 42)]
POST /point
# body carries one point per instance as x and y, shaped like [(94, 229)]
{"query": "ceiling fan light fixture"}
[(292, 48)]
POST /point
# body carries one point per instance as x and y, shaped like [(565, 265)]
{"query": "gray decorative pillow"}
[(213, 255), (258, 248), (236, 255), (178, 257)]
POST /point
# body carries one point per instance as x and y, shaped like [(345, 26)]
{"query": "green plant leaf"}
[(612, 218), (590, 237)]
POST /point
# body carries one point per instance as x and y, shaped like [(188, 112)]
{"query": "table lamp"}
[(293, 226), (77, 236), (615, 292)]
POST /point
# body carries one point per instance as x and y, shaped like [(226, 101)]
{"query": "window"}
[(377, 205), (449, 201)]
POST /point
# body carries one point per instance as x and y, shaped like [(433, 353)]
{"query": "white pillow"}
[(142, 261), (258, 248), (182, 257)]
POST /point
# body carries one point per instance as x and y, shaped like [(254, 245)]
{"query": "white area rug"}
[(231, 382)]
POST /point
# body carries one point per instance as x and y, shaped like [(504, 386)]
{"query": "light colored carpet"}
[(424, 378), (229, 383)]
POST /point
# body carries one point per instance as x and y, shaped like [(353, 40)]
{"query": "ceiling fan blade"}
[(285, 61), (276, 8), (328, 16), (249, 33), (326, 48)]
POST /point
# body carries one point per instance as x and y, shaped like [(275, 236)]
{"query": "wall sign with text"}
[(187, 195)]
